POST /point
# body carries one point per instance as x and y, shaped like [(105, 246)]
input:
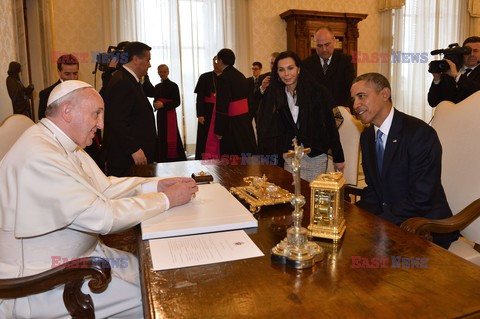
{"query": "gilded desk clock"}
[(326, 217)]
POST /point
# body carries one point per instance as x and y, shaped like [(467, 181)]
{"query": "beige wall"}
[(7, 53), (268, 30), (78, 29)]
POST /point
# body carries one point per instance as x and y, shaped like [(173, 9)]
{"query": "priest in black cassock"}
[(167, 99), (232, 122), (206, 95)]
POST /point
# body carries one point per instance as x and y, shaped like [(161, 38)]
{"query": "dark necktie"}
[(325, 66), (467, 71), (379, 148)]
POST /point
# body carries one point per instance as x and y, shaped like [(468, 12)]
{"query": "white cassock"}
[(51, 208)]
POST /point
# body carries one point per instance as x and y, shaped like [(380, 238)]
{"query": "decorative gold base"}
[(334, 233), (296, 251)]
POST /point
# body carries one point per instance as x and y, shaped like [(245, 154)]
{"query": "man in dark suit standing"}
[(130, 133), (254, 85), (67, 68), (401, 159), (456, 85), (331, 68), (233, 125)]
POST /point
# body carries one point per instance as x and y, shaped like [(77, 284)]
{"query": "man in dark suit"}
[(233, 125), (331, 68), (401, 159), (253, 85), (456, 85), (130, 133), (67, 68)]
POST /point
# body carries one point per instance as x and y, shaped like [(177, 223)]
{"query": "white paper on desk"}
[(214, 209), (187, 251)]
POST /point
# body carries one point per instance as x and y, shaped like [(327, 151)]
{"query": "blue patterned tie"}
[(379, 148)]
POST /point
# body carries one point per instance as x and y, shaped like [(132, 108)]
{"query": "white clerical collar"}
[(67, 143), (131, 72)]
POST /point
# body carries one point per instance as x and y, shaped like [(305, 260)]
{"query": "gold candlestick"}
[(296, 250)]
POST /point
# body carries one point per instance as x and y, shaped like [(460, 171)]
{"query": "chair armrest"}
[(352, 190), (423, 227), (72, 274)]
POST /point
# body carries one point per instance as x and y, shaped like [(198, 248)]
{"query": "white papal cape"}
[(54, 200)]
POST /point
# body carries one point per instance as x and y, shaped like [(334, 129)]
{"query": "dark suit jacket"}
[(339, 77), (449, 90), (44, 94), (410, 184), (129, 123), (253, 101)]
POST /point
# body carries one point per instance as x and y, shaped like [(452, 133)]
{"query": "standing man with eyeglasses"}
[(253, 85)]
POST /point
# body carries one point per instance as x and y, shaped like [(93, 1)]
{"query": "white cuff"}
[(152, 187)]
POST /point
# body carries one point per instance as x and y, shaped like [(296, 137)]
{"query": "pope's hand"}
[(181, 192)]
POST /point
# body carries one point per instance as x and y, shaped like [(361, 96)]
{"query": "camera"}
[(113, 52), (454, 53)]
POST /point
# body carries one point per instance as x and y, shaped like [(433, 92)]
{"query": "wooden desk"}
[(257, 288)]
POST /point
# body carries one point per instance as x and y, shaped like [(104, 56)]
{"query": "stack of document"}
[(214, 209)]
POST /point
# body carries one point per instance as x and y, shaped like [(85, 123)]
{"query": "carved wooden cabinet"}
[(302, 24)]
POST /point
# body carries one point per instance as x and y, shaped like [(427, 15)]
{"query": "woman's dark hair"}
[(316, 121)]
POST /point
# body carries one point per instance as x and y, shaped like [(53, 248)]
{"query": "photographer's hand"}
[(453, 72)]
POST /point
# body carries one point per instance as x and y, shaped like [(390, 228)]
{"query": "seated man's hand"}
[(165, 183), (181, 193), (139, 157), (201, 120)]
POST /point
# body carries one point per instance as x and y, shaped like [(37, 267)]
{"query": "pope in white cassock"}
[(54, 201)]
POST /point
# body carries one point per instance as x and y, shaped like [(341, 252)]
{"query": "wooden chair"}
[(72, 274), (458, 129)]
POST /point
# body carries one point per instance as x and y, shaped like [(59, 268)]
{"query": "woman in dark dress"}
[(295, 105)]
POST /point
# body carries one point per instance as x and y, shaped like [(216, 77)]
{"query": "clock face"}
[(323, 208), (326, 206)]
